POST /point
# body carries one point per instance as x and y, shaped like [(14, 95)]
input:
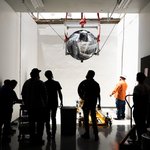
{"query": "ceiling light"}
[(37, 3)]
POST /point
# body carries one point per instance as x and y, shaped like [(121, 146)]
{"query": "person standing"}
[(89, 92), (34, 96), (54, 91), (5, 109), (119, 93), (14, 99), (141, 97)]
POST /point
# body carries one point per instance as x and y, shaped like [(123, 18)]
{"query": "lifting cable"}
[(122, 48), (31, 14), (111, 29)]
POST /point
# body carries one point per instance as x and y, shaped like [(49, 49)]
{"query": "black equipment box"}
[(68, 120)]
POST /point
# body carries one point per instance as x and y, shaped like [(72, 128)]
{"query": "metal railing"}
[(131, 132), (130, 107)]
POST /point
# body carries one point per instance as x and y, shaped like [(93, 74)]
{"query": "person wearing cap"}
[(119, 93), (34, 96), (54, 91), (89, 92)]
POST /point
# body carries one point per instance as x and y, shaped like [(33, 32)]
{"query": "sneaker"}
[(49, 136), (41, 142), (12, 131), (96, 137), (117, 118), (6, 139), (37, 141), (122, 118), (85, 136), (53, 137)]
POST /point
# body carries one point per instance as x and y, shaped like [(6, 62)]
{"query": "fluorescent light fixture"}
[(123, 3), (37, 3)]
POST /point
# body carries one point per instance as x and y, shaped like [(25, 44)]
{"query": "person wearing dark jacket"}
[(14, 99), (7, 99), (5, 107), (34, 96), (141, 95), (54, 92), (89, 92)]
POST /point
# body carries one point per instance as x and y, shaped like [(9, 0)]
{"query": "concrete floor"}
[(109, 139)]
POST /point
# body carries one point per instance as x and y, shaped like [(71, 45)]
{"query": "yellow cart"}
[(102, 120)]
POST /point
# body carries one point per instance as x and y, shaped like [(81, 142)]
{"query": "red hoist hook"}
[(66, 34), (82, 21)]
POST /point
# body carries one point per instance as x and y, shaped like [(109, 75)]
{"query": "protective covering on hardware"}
[(82, 45)]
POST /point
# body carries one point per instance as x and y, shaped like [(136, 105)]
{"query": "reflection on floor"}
[(109, 139)]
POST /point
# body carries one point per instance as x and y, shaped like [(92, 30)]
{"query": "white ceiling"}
[(101, 6)]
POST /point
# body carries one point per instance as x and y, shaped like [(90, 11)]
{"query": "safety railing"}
[(130, 107), (131, 132)]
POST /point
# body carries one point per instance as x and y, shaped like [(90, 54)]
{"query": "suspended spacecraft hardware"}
[(82, 45)]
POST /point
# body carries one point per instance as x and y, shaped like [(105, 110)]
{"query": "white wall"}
[(9, 46), (9, 43), (18, 47), (128, 46), (28, 46)]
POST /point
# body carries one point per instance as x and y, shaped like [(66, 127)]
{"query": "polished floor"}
[(109, 139)]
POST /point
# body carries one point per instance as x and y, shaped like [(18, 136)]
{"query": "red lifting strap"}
[(66, 37), (82, 21), (98, 37), (66, 16)]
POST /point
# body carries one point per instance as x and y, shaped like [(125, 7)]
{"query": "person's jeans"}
[(92, 112), (120, 105), (51, 115)]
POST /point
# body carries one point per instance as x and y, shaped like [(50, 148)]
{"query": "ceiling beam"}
[(62, 21)]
